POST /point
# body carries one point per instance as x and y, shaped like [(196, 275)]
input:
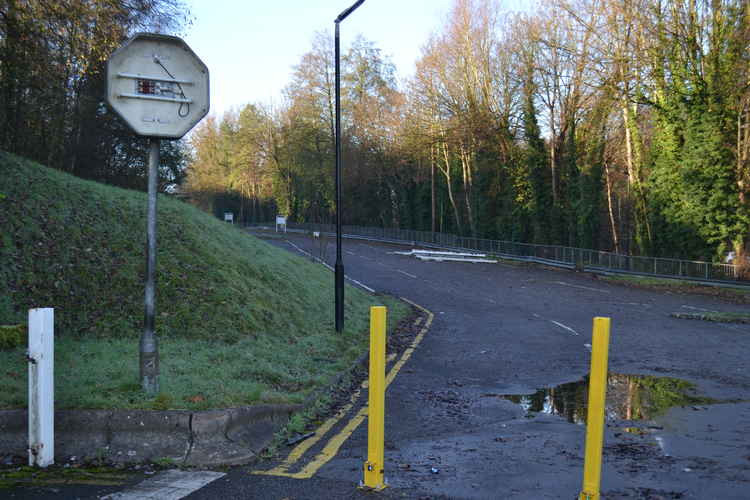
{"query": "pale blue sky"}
[(250, 46)]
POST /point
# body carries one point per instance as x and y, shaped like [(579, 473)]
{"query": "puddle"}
[(629, 397), (640, 431)]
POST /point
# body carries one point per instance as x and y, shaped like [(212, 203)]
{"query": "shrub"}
[(12, 336)]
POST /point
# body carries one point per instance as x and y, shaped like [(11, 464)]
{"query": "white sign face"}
[(157, 85), (228, 216), (280, 221)]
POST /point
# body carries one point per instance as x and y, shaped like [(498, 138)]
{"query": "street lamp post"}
[(339, 267)]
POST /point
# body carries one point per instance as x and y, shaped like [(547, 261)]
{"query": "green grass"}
[(647, 280), (644, 280), (239, 321), (719, 317), (667, 282), (739, 295)]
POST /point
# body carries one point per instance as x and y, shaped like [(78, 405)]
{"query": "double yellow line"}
[(334, 444)]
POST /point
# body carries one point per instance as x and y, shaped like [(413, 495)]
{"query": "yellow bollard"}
[(592, 469), (374, 474)]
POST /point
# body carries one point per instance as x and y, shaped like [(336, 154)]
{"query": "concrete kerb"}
[(206, 438), (229, 436)]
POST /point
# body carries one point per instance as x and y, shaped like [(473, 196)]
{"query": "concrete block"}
[(14, 437), (255, 426), (210, 445), (235, 435), (139, 435), (214, 437), (83, 434)]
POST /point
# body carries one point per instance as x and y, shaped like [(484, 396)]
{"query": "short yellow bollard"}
[(592, 469), (374, 468)]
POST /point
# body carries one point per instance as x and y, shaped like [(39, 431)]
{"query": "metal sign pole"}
[(149, 349), (160, 88)]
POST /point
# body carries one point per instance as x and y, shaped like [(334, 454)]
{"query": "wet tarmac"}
[(492, 405)]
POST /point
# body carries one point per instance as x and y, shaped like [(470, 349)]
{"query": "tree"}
[(52, 57), (613, 124), (698, 52)]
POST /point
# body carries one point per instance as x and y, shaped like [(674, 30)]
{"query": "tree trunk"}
[(633, 160), (553, 168), (242, 204), (615, 238), (468, 185), (628, 145), (433, 201), (447, 174)]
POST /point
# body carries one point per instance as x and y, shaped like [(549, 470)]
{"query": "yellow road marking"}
[(329, 451), (305, 445), (332, 447), (334, 444)]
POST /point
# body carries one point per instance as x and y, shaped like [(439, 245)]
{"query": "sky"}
[(251, 46)]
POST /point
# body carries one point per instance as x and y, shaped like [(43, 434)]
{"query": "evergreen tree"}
[(535, 163)]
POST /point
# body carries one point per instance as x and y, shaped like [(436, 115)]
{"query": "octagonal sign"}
[(157, 85)]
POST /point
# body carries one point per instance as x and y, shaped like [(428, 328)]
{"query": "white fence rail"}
[(550, 254)]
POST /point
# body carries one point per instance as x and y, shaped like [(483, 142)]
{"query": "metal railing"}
[(570, 257)]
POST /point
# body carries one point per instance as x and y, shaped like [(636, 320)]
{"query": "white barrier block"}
[(41, 387), (280, 222), (454, 259)]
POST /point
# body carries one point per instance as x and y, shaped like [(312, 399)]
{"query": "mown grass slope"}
[(230, 308)]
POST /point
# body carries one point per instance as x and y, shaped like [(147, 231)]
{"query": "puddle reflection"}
[(629, 397)]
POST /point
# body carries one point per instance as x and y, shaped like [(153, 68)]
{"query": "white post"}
[(41, 387)]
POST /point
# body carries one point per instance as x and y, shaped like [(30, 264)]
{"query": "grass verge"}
[(239, 321), (737, 295), (195, 374), (719, 317)]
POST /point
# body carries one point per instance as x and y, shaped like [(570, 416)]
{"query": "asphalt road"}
[(506, 329), (500, 330)]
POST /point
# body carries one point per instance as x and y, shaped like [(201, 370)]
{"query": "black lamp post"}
[(339, 267)]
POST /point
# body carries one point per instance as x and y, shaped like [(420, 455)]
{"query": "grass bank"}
[(718, 317), (737, 295), (239, 321)]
